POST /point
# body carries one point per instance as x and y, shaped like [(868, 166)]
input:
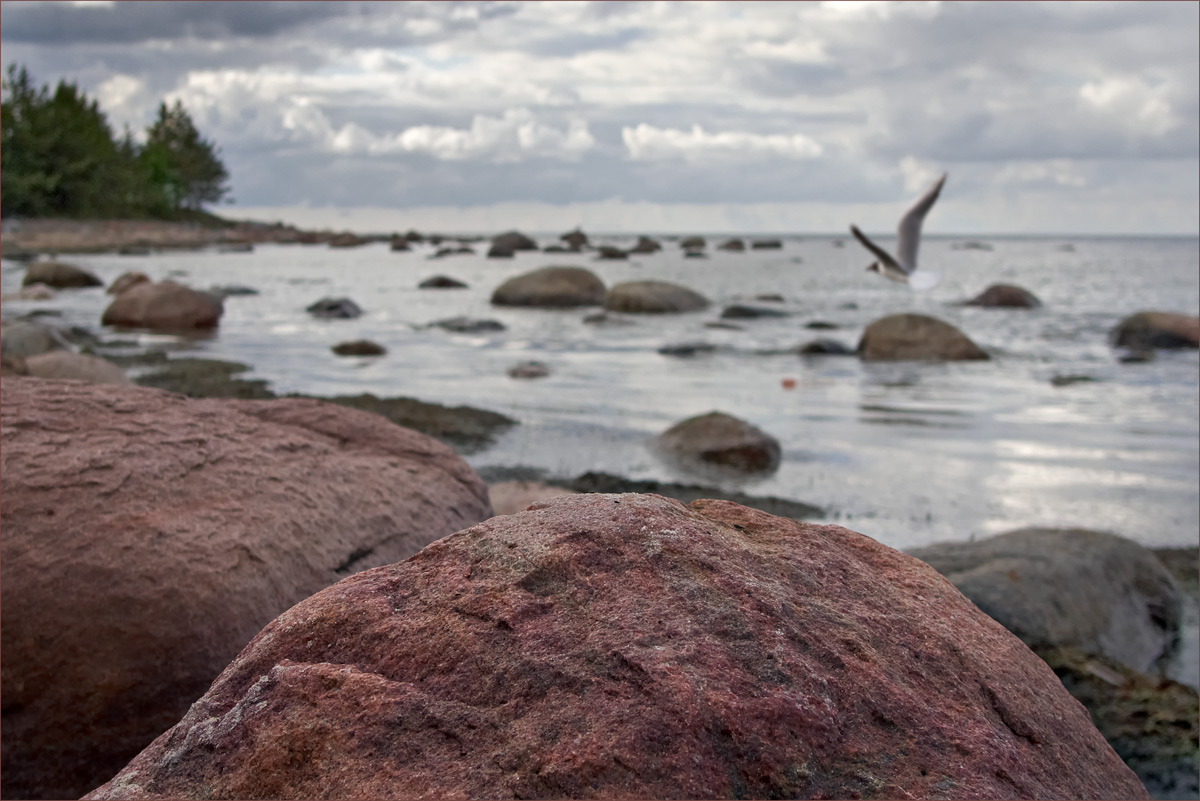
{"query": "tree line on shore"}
[(59, 157)]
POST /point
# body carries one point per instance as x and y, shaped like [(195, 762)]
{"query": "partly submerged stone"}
[(722, 441), (653, 297), (163, 306), (607, 646), (59, 275), (551, 287), (915, 337), (1005, 296), (1147, 330)]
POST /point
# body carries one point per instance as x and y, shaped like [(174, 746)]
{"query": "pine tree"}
[(185, 167)]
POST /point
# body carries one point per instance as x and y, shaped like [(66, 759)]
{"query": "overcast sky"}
[(791, 117)]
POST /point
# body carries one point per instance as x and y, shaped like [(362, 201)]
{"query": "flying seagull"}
[(903, 267)]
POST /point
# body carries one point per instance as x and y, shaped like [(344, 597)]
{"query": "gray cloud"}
[(461, 103)]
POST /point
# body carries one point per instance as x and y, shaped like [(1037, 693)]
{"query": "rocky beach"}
[(319, 582)]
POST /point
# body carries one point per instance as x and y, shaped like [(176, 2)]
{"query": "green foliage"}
[(59, 158)]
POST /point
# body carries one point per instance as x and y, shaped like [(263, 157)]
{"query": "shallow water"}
[(908, 453)]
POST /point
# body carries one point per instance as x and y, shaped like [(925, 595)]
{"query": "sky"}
[(667, 117)]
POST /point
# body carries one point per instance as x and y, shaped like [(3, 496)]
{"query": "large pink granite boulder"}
[(149, 537), (164, 305), (626, 646)]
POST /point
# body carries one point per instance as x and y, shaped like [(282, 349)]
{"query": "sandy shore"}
[(34, 236)]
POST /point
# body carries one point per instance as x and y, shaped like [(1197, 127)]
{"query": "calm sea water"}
[(908, 453)]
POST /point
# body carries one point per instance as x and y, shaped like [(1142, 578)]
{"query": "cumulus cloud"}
[(648, 143)]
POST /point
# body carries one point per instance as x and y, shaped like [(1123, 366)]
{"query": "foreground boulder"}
[(1069, 587), (164, 306), (551, 287), (603, 646), (59, 275), (653, 297), (148, 538), (720, 440), (915, 336), (1005, 296), (1152, 329)]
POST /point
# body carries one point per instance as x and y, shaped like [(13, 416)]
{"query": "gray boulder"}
[(915, 337), (719, 440), (1069, 588), (334, 309), (551, 287), (653, 297)]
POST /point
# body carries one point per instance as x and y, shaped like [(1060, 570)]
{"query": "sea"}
[(1053, 430)]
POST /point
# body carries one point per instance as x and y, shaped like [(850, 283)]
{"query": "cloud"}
[(648, 143)]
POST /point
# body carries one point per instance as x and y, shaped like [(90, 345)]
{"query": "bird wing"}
[(879, 252), (909, 230)]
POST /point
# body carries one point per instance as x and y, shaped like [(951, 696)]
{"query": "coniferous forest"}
[(60, 158)]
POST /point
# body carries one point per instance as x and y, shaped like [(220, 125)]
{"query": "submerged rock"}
[(468, 325), (915, 336), (59, 275), (720, 440), (1006, 296), (148, 537), (1148, 330), (551, 287), (626, 646), (359, 347), (163, 306), (334, 309), (653, 297)]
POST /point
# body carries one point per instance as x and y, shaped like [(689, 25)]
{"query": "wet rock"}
[(645, 245), (27, 338), (723, 326), (347, 241), (1006, 296), (695, 254), (148, 537), (1068, 380), (551, 287), (510, 497), (742, 312), (766, 244), (653, 297), (528, 370), (334, 309), (610, 253), (688, 349), (32, 292), (1151, 722), (400, 244), (825, 347), (558, 249), (464, 428), (125, 281), (59, 275), (733, 245), (915, 336), (468, 325), (626, 646), (359, 347), (692, 243), (604, 318), (1069, 587), (457, 251), (576, 240), (686, 493), (233, 290), (163, 306), (79, 366), (205, 378), (506, 244), (820, 325), (441, 282), (720, 440), (770, 297), (1148, 330)]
